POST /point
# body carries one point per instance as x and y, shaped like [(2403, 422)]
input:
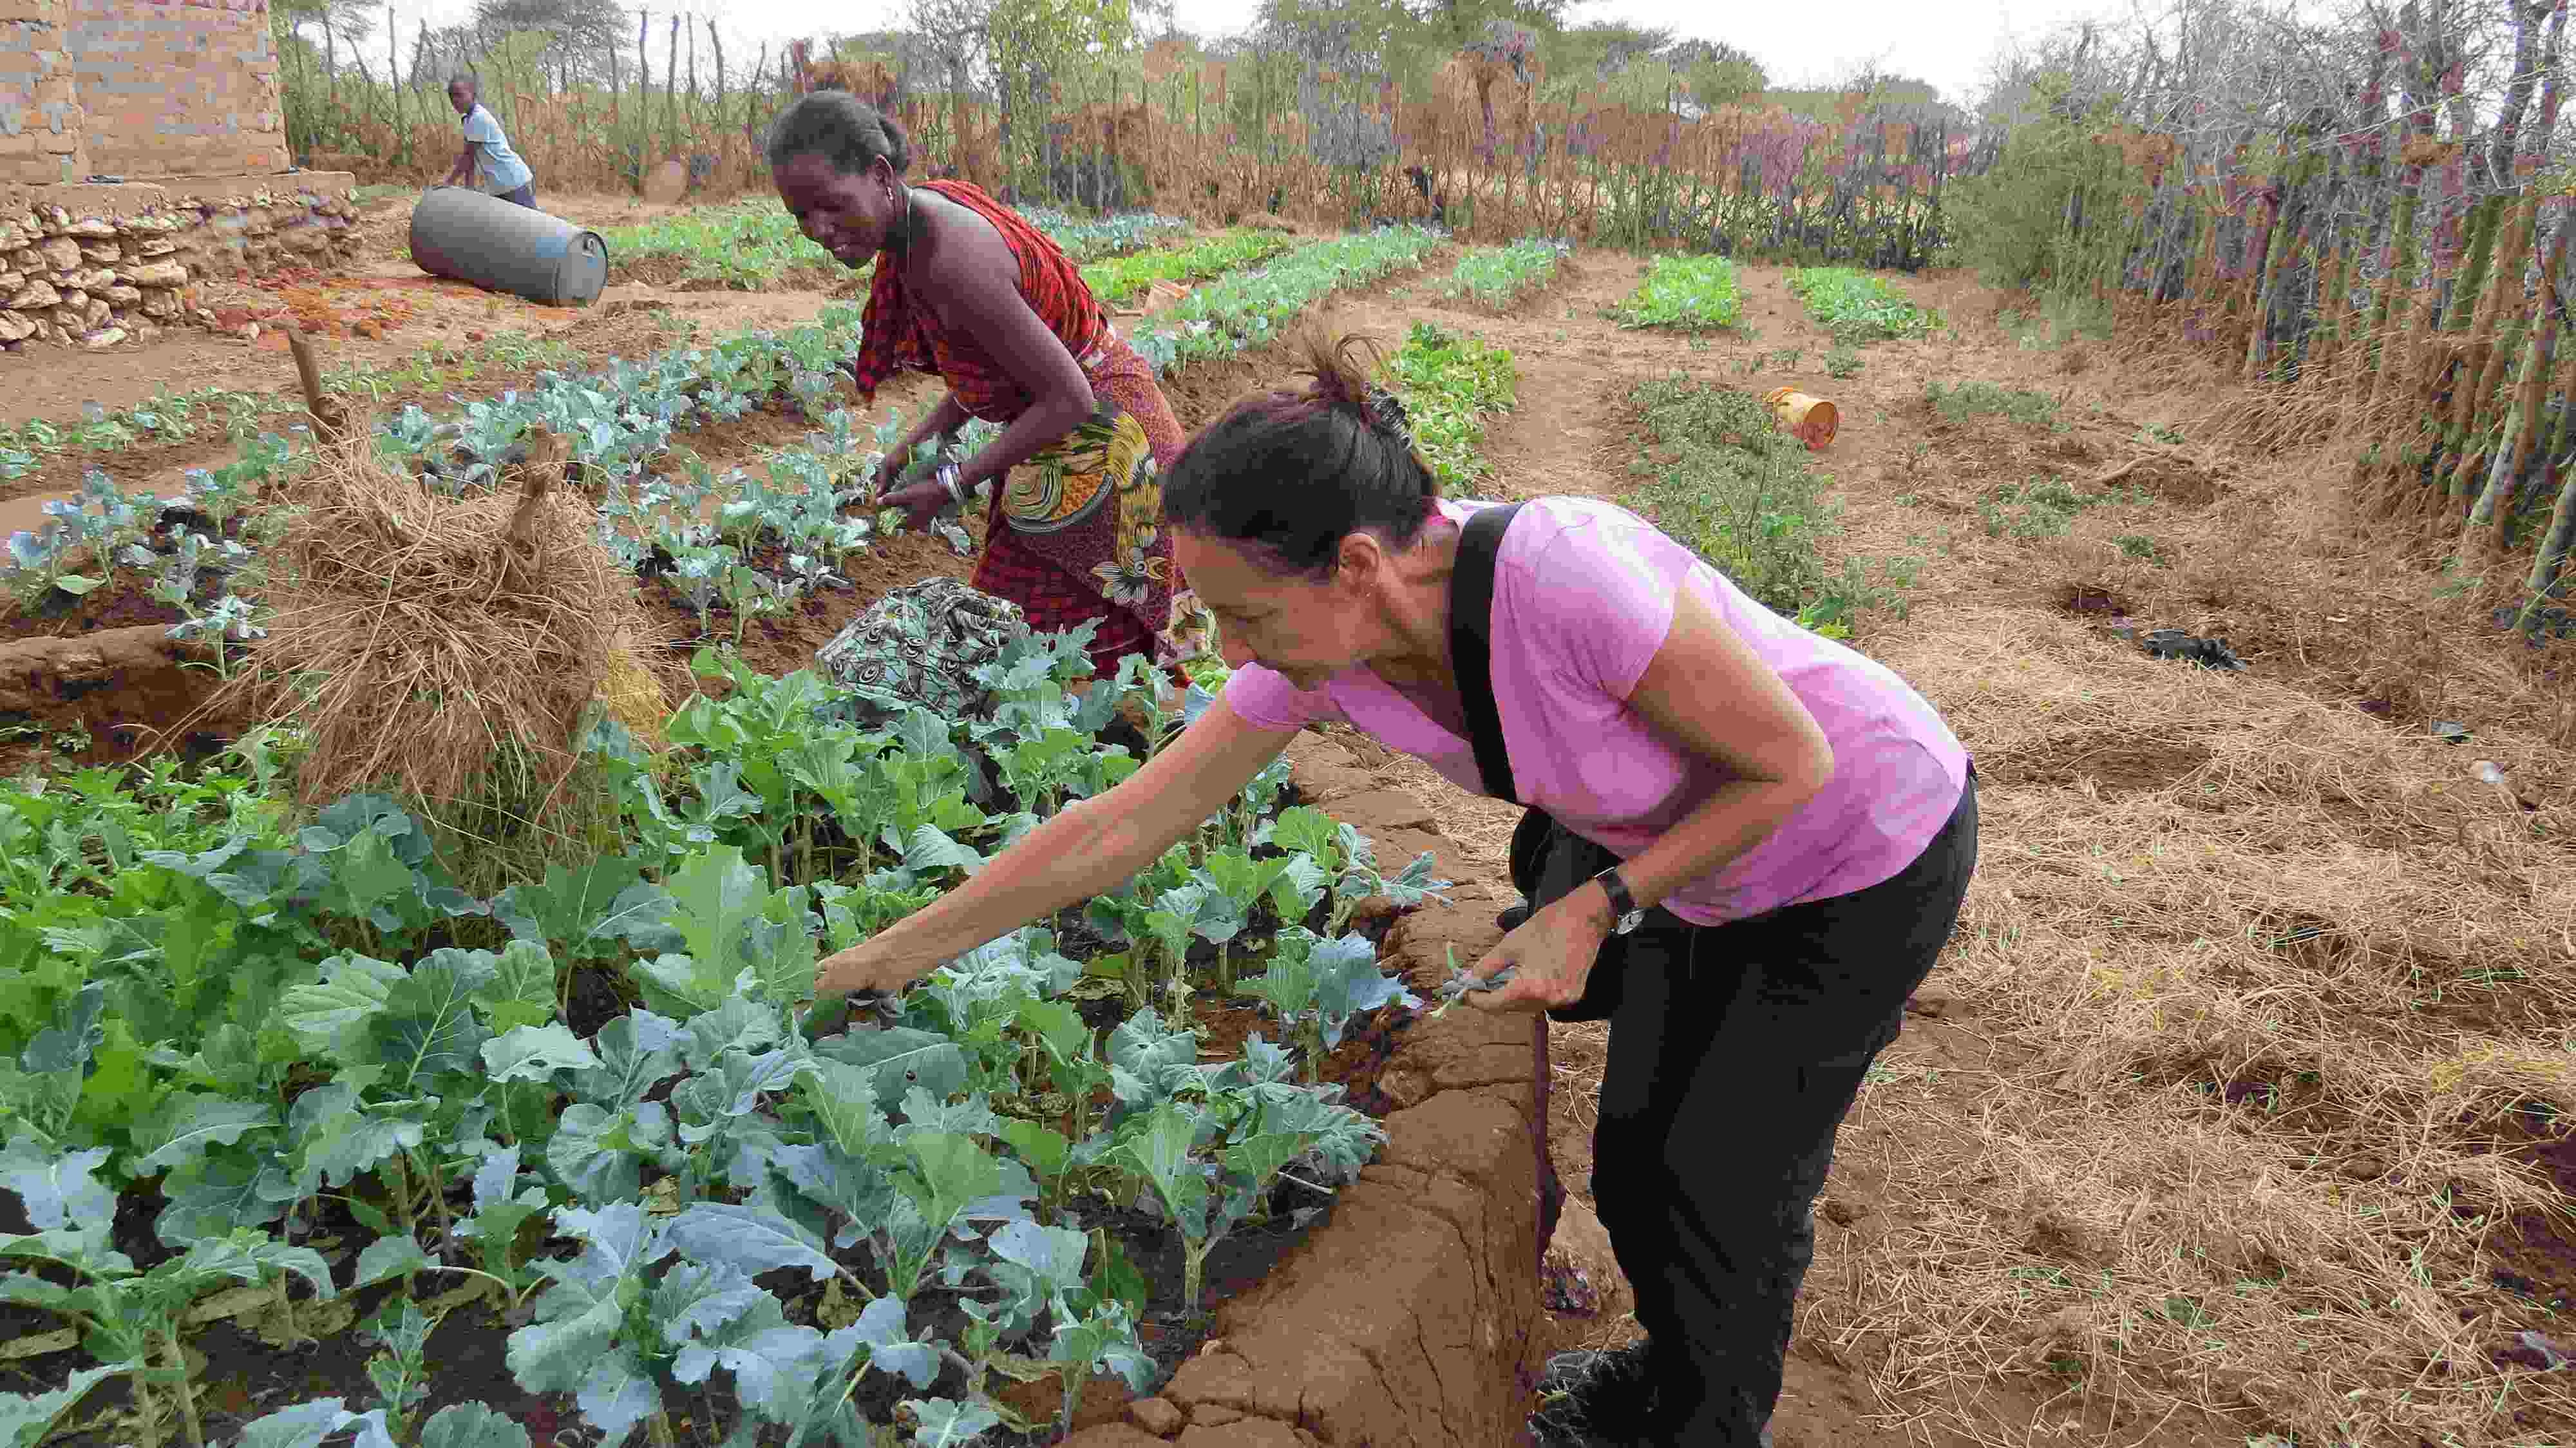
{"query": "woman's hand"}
[(881, 482), (1089, 847), (848, 972), (1550, 955), (920, 503)]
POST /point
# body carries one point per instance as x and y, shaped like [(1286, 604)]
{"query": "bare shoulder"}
[(966, 250)]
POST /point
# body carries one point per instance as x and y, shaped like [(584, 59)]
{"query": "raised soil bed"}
[(1408, 1316)]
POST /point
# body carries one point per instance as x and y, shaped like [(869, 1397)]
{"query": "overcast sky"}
[(1946, 42)]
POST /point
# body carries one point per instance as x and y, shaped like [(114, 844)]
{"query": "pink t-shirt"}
[(1583, 598)]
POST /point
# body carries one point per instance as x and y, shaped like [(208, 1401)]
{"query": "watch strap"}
[(1622, 904)]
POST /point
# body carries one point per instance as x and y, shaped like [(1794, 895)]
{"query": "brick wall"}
[(40, 116), (137, 88)]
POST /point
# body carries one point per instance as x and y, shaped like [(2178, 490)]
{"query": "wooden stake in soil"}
[(330, 422)]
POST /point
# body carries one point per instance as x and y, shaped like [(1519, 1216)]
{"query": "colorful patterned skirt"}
[(1075, 535)]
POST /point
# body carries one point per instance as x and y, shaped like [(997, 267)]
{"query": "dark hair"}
[(1288, 474), (842, 129), (467, 79)]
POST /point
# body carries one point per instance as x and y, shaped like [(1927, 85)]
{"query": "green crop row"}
[(1500, 275), (1249, 308), (1691, 293), (1121, 279), (1718, 474), (1450, 384), (753, 243), (1857, 306)]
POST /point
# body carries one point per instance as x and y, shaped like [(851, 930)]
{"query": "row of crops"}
[(750, 244), (330, 1091), (753, 541), (171, 418), (1493, 275), (1704, 293)]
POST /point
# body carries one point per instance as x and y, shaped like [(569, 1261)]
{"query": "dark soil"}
[(60, 615), (779, 644)]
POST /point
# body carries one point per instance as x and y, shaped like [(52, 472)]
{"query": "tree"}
[(1716, 73), (1460, 22), (1368, 37), (1647, 68), (579, 33), (1601, 50), (333, 26)]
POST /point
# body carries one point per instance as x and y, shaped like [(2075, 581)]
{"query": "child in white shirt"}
[(487, 156)]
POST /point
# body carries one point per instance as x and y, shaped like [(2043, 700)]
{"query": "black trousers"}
[(526, 195), (1735, 1052)]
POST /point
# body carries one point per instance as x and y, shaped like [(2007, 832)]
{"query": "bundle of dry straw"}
[(444, 650)]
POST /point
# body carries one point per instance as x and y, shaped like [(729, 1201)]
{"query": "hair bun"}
[(1386, 413)]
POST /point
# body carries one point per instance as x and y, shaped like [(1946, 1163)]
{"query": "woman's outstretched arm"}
[(1092, 846)]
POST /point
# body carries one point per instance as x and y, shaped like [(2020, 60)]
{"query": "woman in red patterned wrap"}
[(967, 288)]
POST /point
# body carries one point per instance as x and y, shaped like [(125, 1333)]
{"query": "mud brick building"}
[(142, 151), (137, 88)]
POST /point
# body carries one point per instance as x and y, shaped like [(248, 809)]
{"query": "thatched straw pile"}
[(444, 650)]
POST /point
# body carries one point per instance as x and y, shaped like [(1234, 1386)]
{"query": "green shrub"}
[(2051, 213)]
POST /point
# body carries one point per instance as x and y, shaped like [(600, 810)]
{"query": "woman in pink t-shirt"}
[(1747, 845)]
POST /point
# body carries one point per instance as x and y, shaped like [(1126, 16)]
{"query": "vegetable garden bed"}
[(1858, 306), (1686, 293), (589, 1125), (1500, 276), (1408, 1316), (241, 1056), (755, 244)]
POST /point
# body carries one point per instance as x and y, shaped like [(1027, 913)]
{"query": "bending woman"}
[(968, 289), (1757, 841)]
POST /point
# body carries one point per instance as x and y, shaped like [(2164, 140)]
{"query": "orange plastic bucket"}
[(1811, 419)]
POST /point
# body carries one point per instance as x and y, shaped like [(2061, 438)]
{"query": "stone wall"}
[(96, 265), (137, 88)]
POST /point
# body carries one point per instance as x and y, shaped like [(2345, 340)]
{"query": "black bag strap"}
[(1471, 631)]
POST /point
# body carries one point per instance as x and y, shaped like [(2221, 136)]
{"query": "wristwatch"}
[(1622, 904)]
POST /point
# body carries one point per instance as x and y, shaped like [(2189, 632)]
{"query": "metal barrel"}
[(505, 247)]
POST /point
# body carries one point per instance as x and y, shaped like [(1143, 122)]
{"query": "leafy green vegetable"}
[(1692, 293), (1120, 281), (1248, 308), (1857, 306), (1450, 385), (262, 1018), (1500, 275)]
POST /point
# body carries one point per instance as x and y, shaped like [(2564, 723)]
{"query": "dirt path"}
[(1567, 435)]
